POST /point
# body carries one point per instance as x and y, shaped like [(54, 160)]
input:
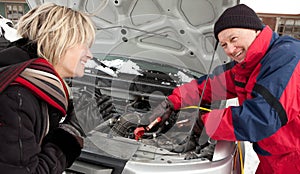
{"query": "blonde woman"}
[(55, 44)]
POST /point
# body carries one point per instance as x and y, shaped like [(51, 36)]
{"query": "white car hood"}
[(176, 32)]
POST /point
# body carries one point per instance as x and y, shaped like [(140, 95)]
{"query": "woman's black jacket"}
[(24, 121)]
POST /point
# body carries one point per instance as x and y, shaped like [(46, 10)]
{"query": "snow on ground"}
[(251, 159)]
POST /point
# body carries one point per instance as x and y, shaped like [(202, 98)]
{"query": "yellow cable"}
[(241, 157), (197, 107)]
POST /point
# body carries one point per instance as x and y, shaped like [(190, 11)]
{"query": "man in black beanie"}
[(264, 76)]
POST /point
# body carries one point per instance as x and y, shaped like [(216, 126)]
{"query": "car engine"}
[(133, 96)]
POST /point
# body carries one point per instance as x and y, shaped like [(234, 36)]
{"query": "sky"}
[(274, 6)]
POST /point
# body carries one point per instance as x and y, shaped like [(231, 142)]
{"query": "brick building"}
[(284, 24), (13, 9)]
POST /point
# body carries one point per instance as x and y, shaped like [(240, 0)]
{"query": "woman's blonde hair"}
[(55, 28)]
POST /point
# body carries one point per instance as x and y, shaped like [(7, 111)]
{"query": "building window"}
[(14, 11), (290, 26), (283, 24)]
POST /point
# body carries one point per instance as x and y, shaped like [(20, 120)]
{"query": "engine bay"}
[(133, 97)]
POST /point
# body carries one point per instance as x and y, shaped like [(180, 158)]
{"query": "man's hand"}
[(163, 110)]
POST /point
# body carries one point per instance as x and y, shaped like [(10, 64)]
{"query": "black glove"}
[(163, 110), (71, 119), (204, 148), (73, 131), (105, 106), (93, 108), (68, 139), (192, 141)]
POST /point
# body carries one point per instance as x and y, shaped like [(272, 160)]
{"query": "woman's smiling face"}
[(236, 41), (72, 63)]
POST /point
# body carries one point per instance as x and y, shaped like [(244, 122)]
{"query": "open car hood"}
[(172, 31), (143, 50)]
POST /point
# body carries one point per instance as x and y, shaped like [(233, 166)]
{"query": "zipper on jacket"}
[(20, 127)]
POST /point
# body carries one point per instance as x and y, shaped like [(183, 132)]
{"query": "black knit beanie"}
[(239, 16)]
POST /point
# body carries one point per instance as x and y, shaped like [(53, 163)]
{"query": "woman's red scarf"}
[(39, 76)]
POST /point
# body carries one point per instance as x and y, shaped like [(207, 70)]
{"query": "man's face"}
[(236, 41)]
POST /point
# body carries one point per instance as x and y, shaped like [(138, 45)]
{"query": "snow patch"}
[(129, 67), (183, 77), (8, 32)]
